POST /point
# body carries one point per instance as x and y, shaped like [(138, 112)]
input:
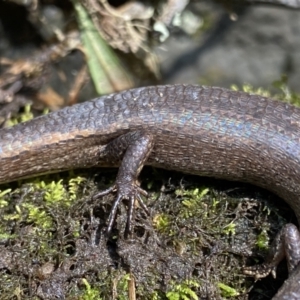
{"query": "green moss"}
[(52, 212), (5, 236), (123, 286), (227, 291), (286, 93), (3, 201), (248, 88), (263, 240), (22, 117), (229, 229), (37, 216), (161, 222), (90, 293), (57, 193), (192, 201), (183, 291), (282, 91)]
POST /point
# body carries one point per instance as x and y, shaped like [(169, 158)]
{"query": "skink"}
[(207, 131)]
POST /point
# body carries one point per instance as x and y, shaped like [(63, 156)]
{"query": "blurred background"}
[(57, 53)]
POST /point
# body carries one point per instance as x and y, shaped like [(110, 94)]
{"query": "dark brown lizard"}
[(207, 131)]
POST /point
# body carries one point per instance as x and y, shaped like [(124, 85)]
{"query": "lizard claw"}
[(129, 192), (260, 271)]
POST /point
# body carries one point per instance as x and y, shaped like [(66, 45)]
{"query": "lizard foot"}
[(286, 244), (125, 192), (260, 271)]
